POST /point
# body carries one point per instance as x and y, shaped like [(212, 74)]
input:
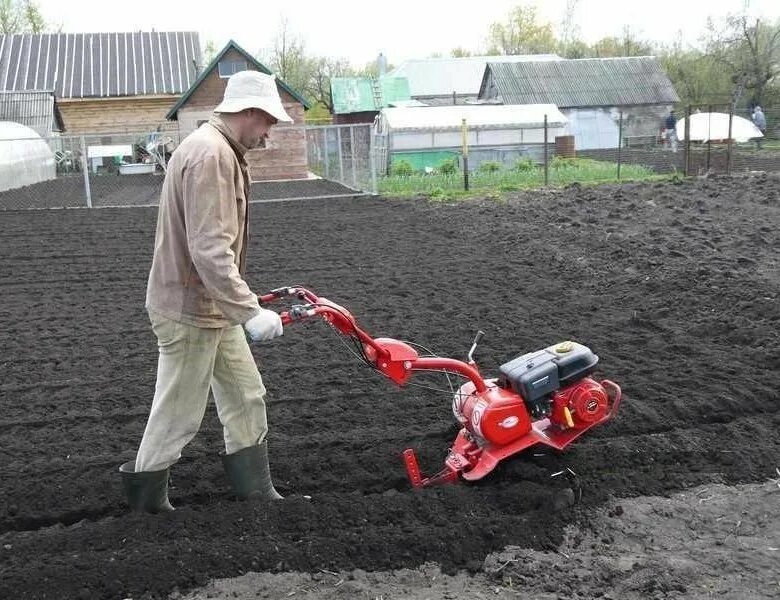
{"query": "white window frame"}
[(231, 66)]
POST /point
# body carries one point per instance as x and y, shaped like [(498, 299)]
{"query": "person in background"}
[(671, 131), (201, 309), (759, 120)]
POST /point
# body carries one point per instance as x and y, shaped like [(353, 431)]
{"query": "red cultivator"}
[(544, 397)]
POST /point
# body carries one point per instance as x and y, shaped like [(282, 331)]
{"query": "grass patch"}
[(496, 181)]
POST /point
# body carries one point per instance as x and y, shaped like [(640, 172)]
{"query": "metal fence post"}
[(620, 143), (85, 171), (326, 152), (341, 155), (352, 152), (546, 161), (372, 159)]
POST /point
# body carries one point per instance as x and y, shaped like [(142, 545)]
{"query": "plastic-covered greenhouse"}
[(25, 157), (427, 136)]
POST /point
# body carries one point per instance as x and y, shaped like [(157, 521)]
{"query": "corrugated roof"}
[(442, 76), (477, 117), (86, 65), (581, 82)]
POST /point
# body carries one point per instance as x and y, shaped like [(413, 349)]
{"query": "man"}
[(200, 307), (671, 130), (759, 120)]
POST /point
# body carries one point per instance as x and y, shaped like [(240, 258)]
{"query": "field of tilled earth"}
[(673, 285)]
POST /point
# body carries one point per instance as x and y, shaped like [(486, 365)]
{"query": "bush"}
[(402, 168), (559, 162), (490, 167), (448, 167), (525, 164)]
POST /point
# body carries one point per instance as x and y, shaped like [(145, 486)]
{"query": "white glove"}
[(265, 326)]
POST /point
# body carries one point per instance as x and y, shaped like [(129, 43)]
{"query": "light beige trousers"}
[(192, 360)]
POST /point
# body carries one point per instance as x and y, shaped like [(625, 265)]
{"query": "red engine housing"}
[(497, 415)]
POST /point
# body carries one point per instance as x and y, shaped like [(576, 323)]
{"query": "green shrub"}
[(525, 164), (448, 167), (561, 162), (402, 168), (490, 167)]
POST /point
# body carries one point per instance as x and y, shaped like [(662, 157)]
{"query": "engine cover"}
[(497, 415), (536, 375)]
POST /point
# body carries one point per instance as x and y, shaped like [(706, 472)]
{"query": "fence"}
[(127, 169)]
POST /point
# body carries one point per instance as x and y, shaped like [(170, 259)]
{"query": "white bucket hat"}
[(252, 89)]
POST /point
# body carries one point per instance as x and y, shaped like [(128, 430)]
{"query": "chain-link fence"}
[(128, 169), (343, 153)]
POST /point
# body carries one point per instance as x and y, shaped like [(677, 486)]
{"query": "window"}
[(228, 67)]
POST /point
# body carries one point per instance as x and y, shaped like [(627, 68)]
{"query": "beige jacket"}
[(197, 274)]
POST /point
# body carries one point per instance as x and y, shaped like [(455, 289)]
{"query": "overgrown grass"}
[(486, 182)]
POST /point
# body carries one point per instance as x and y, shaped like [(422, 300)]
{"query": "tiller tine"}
[(446, 475)]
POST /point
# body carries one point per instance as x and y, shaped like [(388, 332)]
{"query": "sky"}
[(358, 30)]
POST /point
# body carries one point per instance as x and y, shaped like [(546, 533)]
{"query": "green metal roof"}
[(361, 94), (580, 82), (173, 113)]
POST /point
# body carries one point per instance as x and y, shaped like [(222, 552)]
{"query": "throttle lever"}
[(477, 339)]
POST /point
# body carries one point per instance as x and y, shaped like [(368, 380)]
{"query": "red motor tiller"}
[(543, 397)]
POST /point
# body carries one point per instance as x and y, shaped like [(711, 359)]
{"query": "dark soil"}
[(675, 286), (142, 190)]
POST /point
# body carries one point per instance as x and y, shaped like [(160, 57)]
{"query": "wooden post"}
[(687, 140), (620, 142), (728, 153), (465, 137), (546, 161), (709, 136)]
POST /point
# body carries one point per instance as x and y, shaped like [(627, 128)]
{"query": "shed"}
[(448, 81), (284, 156), (25, 157), (103, 82), (427, 136), (38, 110), (592, 93), (359, 99)]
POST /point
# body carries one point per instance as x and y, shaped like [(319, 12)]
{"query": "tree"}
[(626, 45), (460, 52), (522, 34), (750, 50), (209, 52), (288, 59), (21, 16)]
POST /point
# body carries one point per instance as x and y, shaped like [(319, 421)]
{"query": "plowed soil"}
[(674, 286)]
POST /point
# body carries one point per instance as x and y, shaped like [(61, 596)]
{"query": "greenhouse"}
[(428, 136), (25, 157)]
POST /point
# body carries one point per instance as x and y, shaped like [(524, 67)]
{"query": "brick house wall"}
[(284, 156)]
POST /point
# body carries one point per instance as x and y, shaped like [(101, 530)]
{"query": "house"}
[(103, 82), (359, 99), (284, 156), (593, 93), (447, 81)]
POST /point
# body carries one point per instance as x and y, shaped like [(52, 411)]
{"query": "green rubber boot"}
[(146, 491), (249, 475)]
